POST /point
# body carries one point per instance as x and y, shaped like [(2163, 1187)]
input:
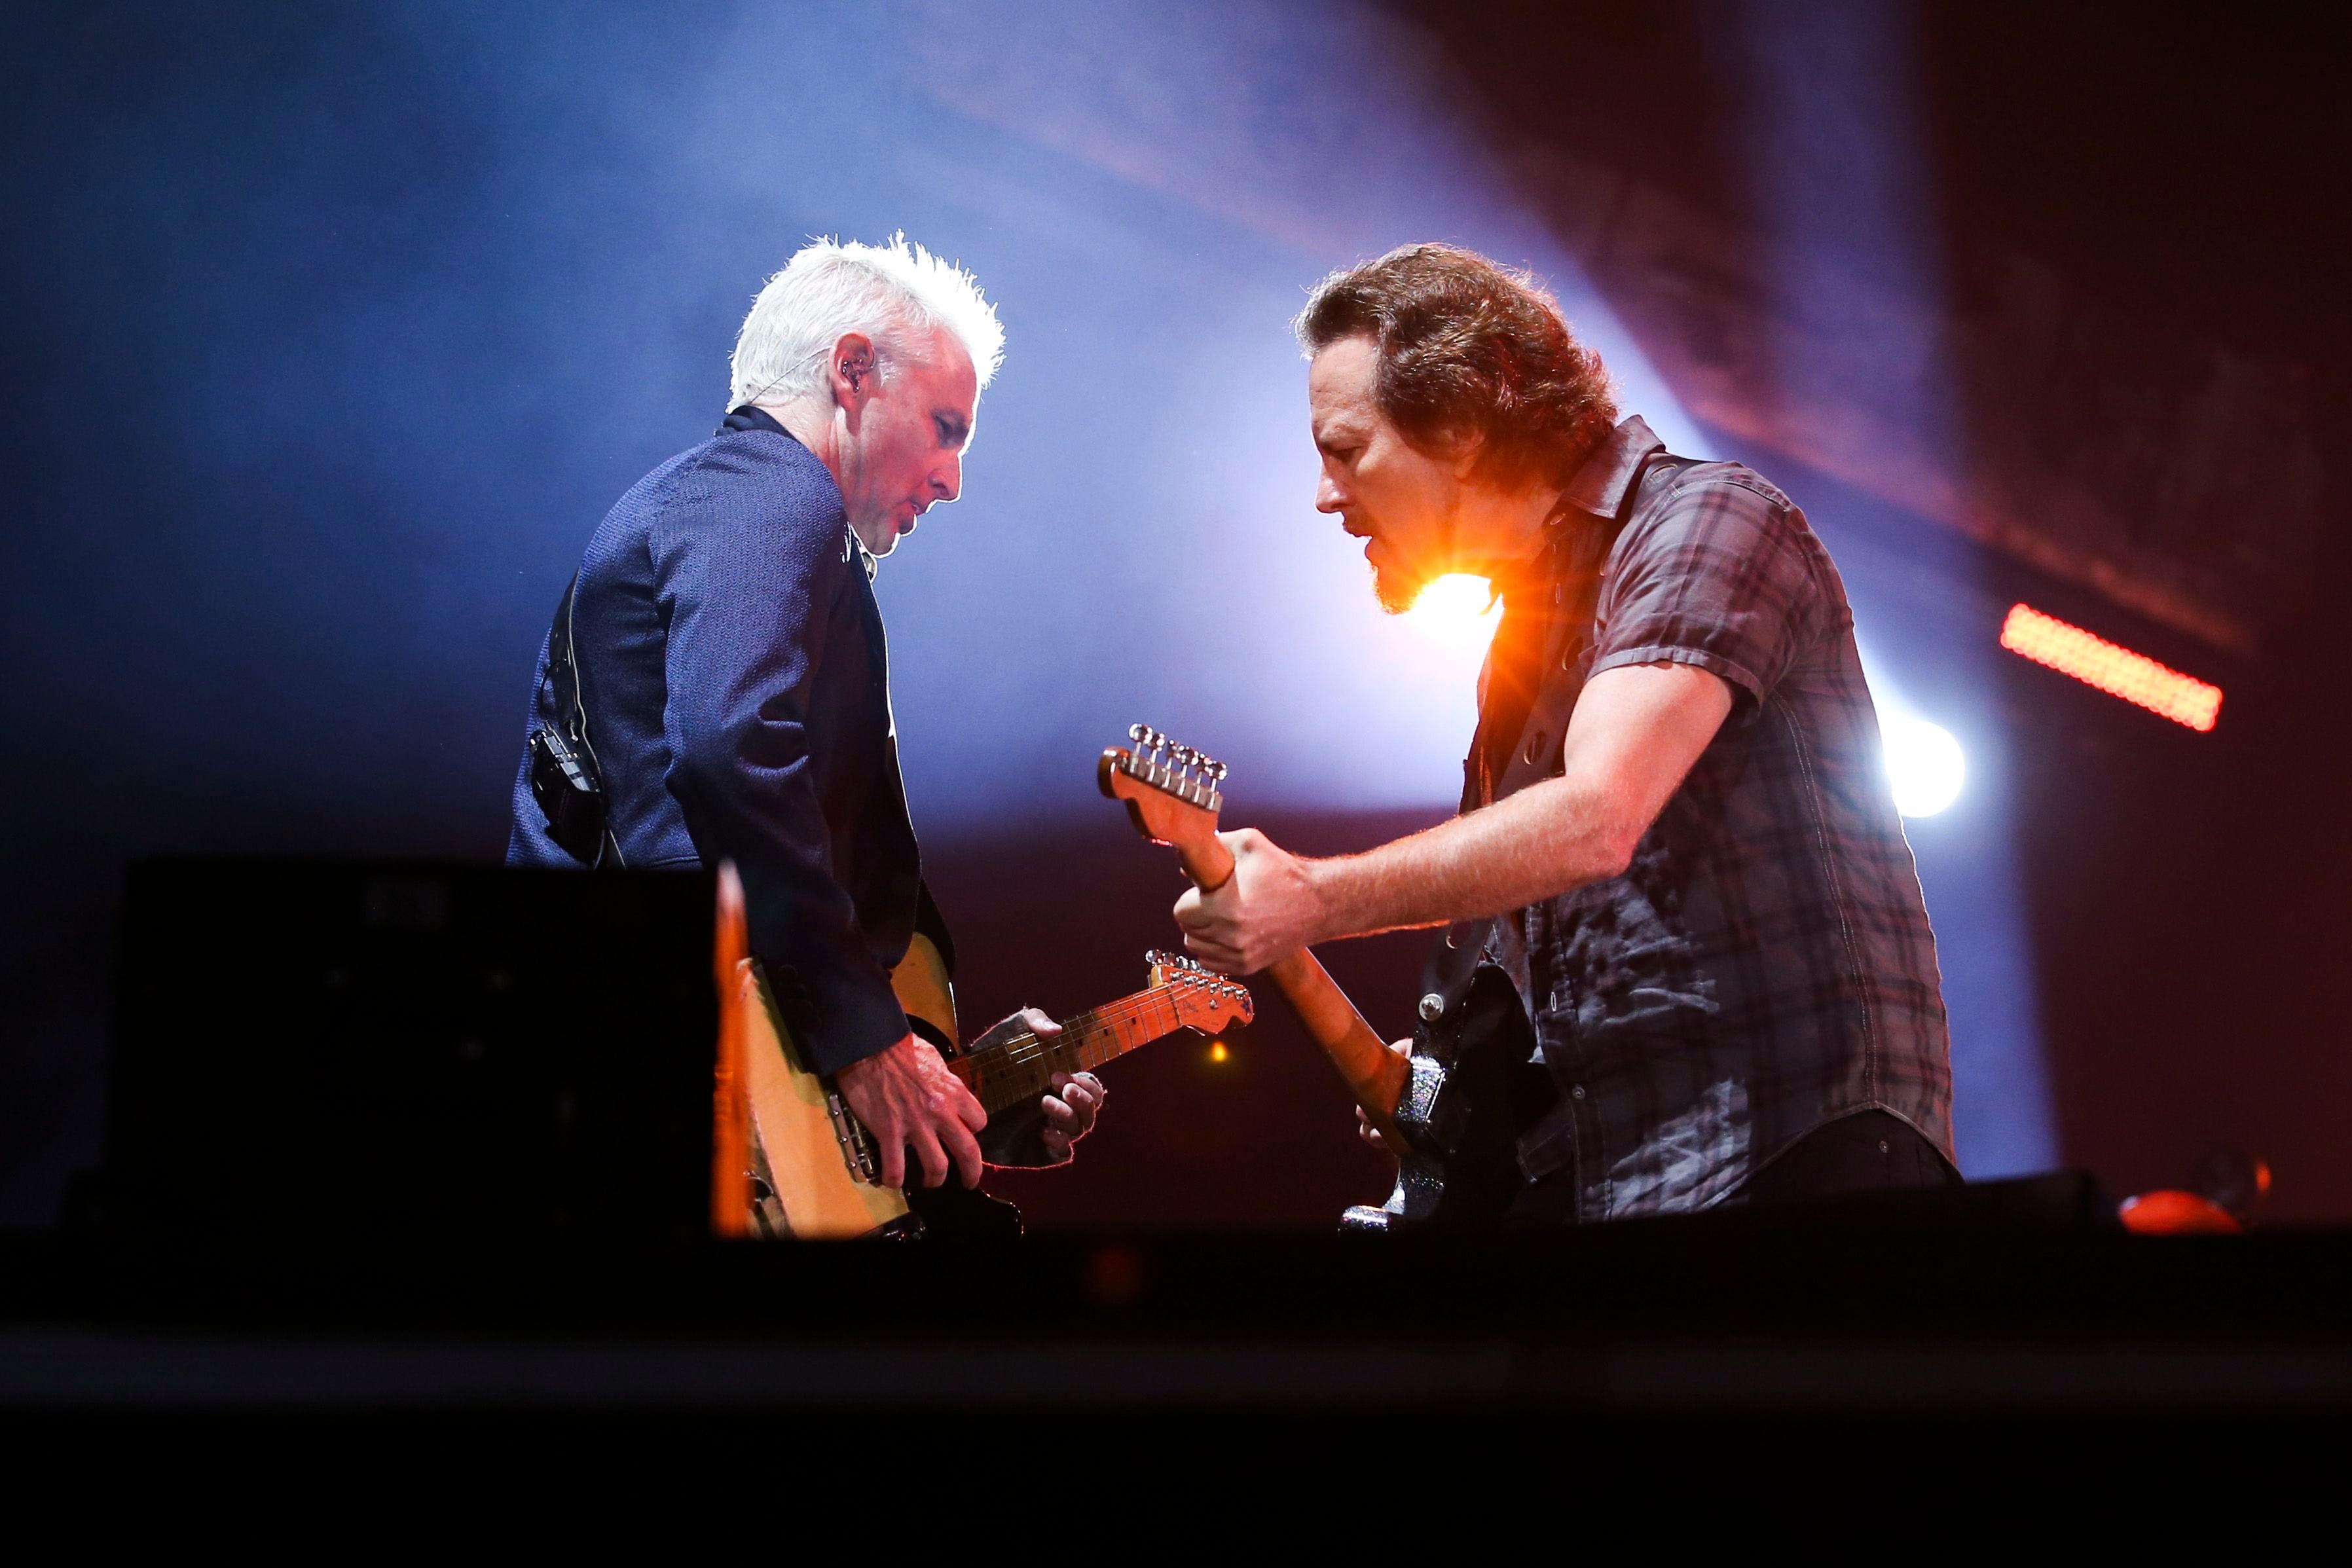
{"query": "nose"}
[(1329, 496), (947, 479)]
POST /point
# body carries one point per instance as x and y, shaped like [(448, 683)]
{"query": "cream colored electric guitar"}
[(789, 1158)]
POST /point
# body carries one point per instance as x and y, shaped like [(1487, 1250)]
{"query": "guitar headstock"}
[(1171, 790), (1205, 1001)]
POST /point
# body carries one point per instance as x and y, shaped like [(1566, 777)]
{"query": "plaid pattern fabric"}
[(1764, 965)]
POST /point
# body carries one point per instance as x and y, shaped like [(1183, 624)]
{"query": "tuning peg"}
[(1215, 769)]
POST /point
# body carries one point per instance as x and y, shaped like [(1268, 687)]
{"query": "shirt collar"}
[(752, 416), (1604, 484)]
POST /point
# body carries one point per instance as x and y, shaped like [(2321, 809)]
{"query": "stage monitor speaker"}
[(424, 1053)]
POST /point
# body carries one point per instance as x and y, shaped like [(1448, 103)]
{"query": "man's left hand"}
[(1067, 1114), (1070, 1111), (1267, 910)]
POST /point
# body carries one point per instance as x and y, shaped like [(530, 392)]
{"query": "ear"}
[(1463, 451), (851, 372)]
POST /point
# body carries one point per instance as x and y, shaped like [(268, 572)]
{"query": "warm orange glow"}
[(1457, 611), (2119, 672), (1217, 1052)]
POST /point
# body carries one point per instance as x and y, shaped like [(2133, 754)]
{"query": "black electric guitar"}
[(1454, 1108)]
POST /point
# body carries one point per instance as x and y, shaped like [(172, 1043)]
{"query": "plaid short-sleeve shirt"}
[(1765, 963)]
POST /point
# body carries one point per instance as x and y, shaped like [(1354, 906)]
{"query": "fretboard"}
[(1024, 1068)]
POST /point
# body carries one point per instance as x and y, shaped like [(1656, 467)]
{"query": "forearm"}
[(1540, 842)]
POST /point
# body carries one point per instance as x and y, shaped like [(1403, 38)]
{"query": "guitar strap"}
[(565, 779), (1581, 565)]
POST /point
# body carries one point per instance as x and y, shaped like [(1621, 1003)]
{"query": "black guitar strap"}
[(1454, 958), (565, 777), (571, 707)]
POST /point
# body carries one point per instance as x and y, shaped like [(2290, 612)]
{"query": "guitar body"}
[(803, 1185), (1470, 1092)]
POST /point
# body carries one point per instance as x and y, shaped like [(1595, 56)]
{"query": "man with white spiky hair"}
[(718, 668)]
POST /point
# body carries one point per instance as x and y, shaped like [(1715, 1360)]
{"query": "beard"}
[(1399, 577), (1397, 589)]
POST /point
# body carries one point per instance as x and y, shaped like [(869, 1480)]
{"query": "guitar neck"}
[(1024, 1068), (1171, 796), (1374, 1074)]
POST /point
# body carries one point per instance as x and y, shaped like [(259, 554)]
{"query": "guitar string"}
[(1008, 1074)]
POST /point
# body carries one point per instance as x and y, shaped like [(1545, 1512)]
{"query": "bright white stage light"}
[(1923, 762), (1453, 609)]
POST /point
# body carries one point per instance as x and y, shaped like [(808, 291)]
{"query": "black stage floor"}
[(2014, 1303)]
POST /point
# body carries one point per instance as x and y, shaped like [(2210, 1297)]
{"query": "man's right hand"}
[(1364, 1128), (907, 1098)]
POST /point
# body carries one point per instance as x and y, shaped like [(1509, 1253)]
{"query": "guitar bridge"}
[(857, 1147)]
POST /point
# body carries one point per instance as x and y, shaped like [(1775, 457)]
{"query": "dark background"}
[(330, 333)]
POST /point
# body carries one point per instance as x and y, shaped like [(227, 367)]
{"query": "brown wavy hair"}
[(1470, 348)]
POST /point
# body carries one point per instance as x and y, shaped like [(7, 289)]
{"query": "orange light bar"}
[(2119, 672)]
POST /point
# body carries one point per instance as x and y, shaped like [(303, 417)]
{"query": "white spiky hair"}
[(895, 293)]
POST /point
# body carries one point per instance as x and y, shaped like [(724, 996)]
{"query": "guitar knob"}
[(1433, 1008)]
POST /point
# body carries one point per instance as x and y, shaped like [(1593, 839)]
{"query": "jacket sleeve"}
[(751, 584)]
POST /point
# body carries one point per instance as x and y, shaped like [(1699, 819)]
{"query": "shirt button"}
[(1577, 1091)]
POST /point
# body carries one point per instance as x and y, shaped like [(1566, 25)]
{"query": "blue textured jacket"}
[(737, 697)]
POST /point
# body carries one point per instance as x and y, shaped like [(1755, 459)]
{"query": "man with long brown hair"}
[(1675, 803)]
